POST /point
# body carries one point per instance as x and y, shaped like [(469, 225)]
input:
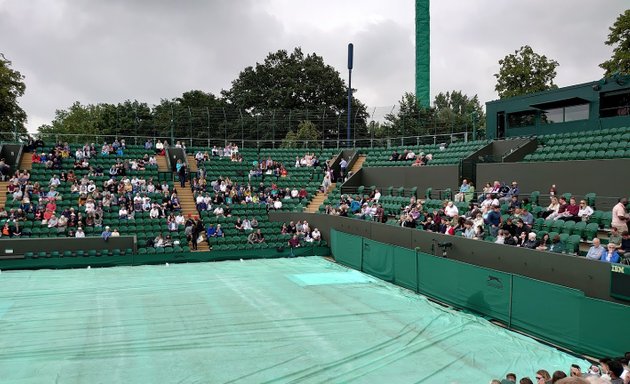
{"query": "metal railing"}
[(370, 142)]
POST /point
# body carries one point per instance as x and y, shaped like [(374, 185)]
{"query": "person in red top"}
[(294, 242), (302, 194), (571, 211), (35, 158), (563, 207)]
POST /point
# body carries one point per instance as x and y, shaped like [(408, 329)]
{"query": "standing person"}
[(620, 215), (181, 173), (343, 165)]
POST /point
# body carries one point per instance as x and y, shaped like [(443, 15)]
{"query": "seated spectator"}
[(596, 251), (531, 241), (79, 233), (294, 242), (395, 156), (106, 234), (247, 225), (562, 201), (611, 255), (219, 232), (556, 245), (211, 231), (463, 189), (451, 210), (544, 243), (316, 235), (614, 237), (158, 242), (585, 211), (115, 233), (552, 208)]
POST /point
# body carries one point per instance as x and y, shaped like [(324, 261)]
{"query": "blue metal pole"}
[(350, 55)]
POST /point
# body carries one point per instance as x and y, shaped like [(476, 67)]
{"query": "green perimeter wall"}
[(158, 258), (560, 315)]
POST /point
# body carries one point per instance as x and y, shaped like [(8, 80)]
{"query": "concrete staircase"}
[(3, 193), (192, 163), (162, 165), (358, 164), (318, 200), (26, 162), (187, 202)]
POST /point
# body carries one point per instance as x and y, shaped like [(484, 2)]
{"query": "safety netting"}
[(300, 320)]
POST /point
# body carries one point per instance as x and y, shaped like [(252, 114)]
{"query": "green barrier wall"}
[(348, 247), (561, 315), (156, 258), (405, 268), (480, 289), (378, 260)]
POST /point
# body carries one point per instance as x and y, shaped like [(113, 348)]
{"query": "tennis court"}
[(303, 320)]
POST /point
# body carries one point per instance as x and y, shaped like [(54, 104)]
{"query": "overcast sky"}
[(108, 51)]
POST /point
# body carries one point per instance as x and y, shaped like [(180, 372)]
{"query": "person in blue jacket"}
[(611, 255)]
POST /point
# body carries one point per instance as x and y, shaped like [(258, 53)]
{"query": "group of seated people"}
[(362, 207), (223, 192), (418, 160), (301, 232), (308, 160), (608, 371)]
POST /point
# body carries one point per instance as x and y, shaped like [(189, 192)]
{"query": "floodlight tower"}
[(423, 53)]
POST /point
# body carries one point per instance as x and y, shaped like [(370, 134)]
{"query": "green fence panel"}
[(547, 310), (378, 259), (479, 289), (405, 270), (347, 249), (604, 328)]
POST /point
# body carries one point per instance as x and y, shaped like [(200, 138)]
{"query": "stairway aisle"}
[(187, 201), (26, 162), (318, 200), (161, 162), (3, 193), (192, 164), (358, 164)]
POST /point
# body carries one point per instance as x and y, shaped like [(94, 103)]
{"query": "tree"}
[(12, 87), (287, 88), (619, 38), (123, 120), (523, 72), (307, 136), (458, 111), (410, 120)]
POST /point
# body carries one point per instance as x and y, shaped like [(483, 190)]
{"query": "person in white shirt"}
[(115, 233), (122, 213), (154, 213), (218, 211), (247, 225), (451, 210), (377, 195), (277, 204), (53, 221), (180, 219), (585, 211), (316, 235), (54, 181), (79, 232)]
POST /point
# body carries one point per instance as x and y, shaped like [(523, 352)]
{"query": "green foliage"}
[(410, 120), (523, 72), (286, 82), (12, 87), (459, 110), (307, 136), (451, 112), (619, 38)]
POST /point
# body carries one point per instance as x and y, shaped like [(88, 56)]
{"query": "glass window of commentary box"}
[(565, 114), (521, 119)]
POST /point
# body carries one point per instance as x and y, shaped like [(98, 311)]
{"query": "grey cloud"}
[(109, 51)]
